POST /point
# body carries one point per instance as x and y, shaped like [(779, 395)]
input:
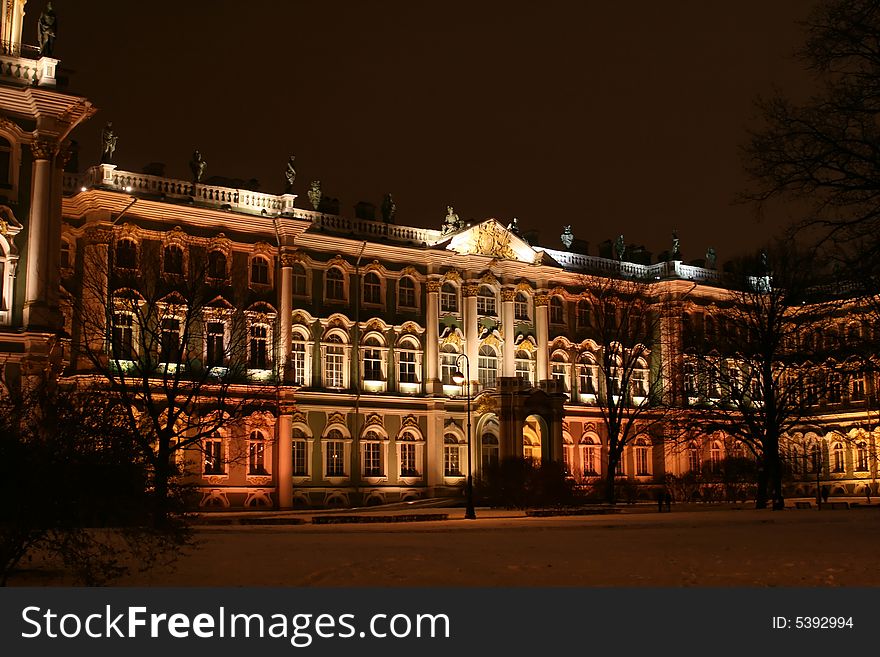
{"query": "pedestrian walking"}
[(668, 499)]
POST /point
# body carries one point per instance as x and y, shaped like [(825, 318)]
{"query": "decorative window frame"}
[(641, 449), (525, 303), (556, 302), (561, 357), (374, 434), (409, 344), (484, 285), (460, 444), (408, 274), (344, 437), (410, 434), (307, 276), (309, 440), (590, 443), (380, 384), (302, 332), (455, 295), (222, 437), (128, 236), (343, 342), (492, 344), (14, 135), (261, 315), (373, 271), (8, 263), (221, 312)]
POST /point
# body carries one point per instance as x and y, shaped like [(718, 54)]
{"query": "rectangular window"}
[(487, 371), (372, 289), (216, 356), (259, 356), (408, 367), (524, 369), (123, 337), (447, 368), (486, 305), (521, 307), (588, 381), (448, 300), (451, 460), (591, 461), (299, 281), (335, 458), (408, 460), (300, 465), (641, 461), (334, 364), (372, 459), (298, 363), (372, 365)]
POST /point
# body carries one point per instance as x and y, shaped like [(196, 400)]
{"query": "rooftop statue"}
[(315, 194), (513, 226), (711, 258), (108, 143), (676, 250), (620, 247), (451, 223), (290, 174), (567, 237), (389, 209), (198, 166), (47, 26)]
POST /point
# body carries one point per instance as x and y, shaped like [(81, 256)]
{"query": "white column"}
[(542, 329), (432, 337), (471, 331), (36, 308), (284, 464), (286, 305), (508, 365)]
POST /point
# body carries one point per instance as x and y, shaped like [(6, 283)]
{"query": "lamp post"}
[(459, 378)]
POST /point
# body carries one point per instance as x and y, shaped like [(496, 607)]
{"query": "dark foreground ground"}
[(719, 547)]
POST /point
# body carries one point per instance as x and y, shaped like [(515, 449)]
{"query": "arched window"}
[(334, 362), (407, 361), (126, 254), (406, 445), (837, 463), (372, 446), (525, 366), (259, 271), (123, 336), (715, 456), (299, 279), (487, 366), (486, 301), (406, 292), (448, 363), (557, 310), (256, 453), (709, 330), (448, 298), (334, 454), (642, 452), (299, 444), (489, 450), (172, 260), (217, 265), (559, 369), (521, 306), (372, 288), (335, 290), (861, 456), (298, 357), (583, 313), (212, 447), (639, 380), (451, 456), (373, 370), (590, 456), (694, 461)]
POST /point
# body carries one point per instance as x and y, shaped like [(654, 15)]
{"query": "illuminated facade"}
[(359, 323)]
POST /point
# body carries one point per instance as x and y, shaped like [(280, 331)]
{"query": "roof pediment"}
[(490, 238)]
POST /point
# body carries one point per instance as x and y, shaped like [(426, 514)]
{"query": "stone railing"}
[(225, 198), (658, 271), (23, 64), (367, 228)]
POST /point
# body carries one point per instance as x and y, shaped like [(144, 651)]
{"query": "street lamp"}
[(459, 378)]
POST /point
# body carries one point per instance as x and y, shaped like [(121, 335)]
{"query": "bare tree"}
[(166, 340), (760, 376), (82, 495), (631, 393)]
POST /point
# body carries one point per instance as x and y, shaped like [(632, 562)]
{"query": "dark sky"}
[(614, 117)]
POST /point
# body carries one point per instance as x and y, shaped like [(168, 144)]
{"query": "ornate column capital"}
[(43, 150), (508, 295), (433, 286), (470, 289), (96, 235), (542, 299), (289, 259)]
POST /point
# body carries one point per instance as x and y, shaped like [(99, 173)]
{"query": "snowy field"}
[(720, 547)]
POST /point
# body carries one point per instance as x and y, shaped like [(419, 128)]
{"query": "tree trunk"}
[(761, 495)]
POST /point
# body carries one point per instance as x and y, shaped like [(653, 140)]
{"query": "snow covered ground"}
[(715, 547)]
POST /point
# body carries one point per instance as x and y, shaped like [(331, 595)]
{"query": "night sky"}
[(612, 117)]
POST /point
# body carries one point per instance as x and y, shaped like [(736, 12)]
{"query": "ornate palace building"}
[(355, 324)]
